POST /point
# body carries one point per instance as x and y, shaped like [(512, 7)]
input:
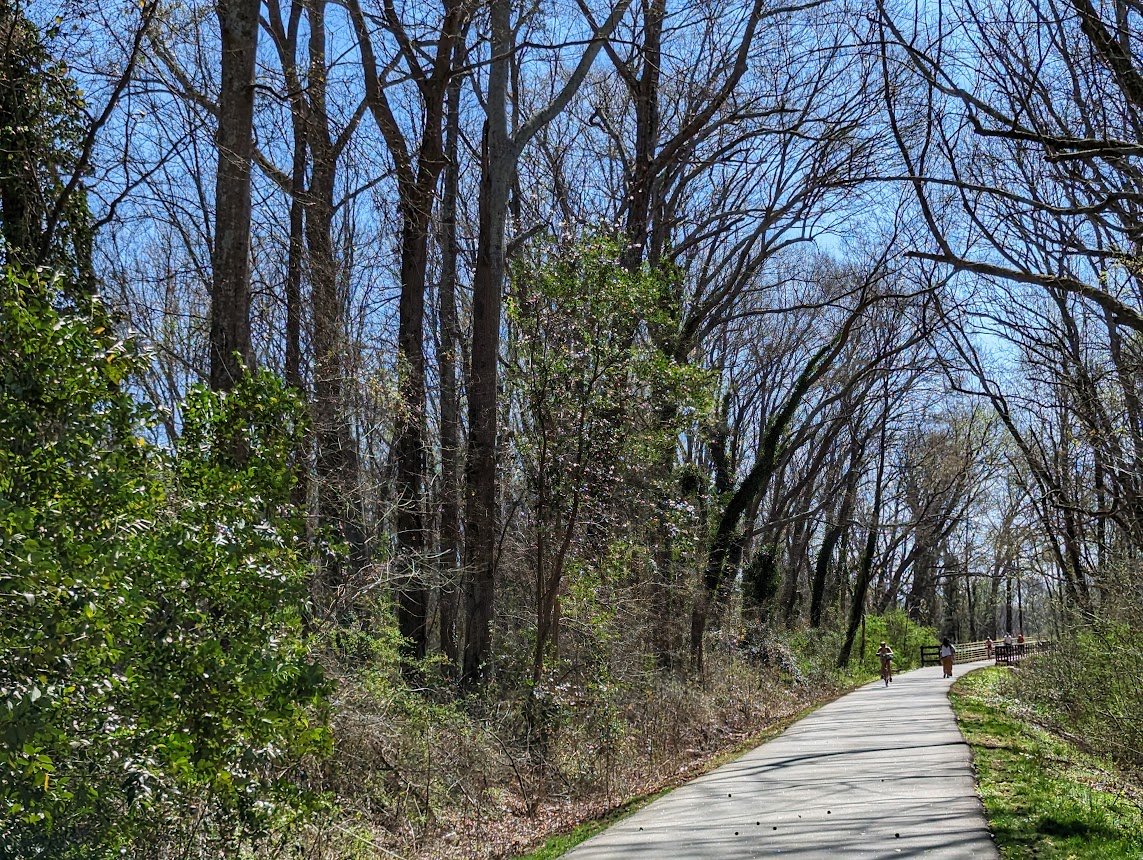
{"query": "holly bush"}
[(155, 688)]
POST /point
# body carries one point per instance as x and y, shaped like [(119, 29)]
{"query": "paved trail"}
[(879, 773)]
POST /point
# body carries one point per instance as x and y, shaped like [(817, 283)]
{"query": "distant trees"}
[(773, 440)]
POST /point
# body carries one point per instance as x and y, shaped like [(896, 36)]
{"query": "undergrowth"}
[(420, 773)]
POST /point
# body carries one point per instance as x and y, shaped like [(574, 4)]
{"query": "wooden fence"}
[(1010, 655), (970, 652)]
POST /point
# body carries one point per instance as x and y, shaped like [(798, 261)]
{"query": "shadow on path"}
[(881, 772)]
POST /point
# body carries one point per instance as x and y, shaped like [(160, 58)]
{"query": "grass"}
[(1044, 797)]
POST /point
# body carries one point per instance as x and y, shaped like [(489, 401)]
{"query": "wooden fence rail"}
[(970, 652), (1010, 655)]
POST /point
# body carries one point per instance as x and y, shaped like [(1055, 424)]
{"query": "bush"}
[(1090, 686), (155, 687), (810, 654), (904, 636)]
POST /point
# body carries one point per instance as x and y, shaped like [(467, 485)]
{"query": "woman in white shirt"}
[(946, 654)]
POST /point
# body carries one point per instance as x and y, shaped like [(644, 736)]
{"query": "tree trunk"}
[(643, 172), (293, 351), (409, 444), (337, 461), (417, 176), (284, 38), (950, 623), (500, 152), (865, 570), (970, 598), (230, 340), (834, 534), (21, 199), (480, 468), (450, 537), (1008, 600)]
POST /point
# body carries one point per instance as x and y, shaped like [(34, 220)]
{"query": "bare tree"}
[(448, 365), (418, 166), (774, 438), (501, 150), (1046, 176)]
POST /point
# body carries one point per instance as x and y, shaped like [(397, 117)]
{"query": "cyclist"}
[(886, 655)]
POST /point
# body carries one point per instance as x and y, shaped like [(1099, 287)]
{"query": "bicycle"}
[(887, 670)]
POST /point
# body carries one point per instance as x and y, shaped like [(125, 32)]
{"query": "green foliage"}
[(810, 654), (1091, 684), (591, 386), (762, 578), (41, 139), (904, 636), (153, 655), (599, 408), (1043, 797)]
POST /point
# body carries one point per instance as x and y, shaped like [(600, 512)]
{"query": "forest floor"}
[(1045, 797)]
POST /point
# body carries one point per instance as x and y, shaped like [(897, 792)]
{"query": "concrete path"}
[(881, 772)]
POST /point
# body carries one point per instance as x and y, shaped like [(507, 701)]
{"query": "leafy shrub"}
[(904, 636), (155, 685), (1090, 686), (601, 407)]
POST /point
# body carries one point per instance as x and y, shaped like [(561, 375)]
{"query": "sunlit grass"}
[(1044, 797)]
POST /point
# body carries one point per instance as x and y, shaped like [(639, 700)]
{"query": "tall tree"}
[(448, 360), (337, 467), (418, 165), (501, 148), (283, 31), (231, 346), (865, 568)]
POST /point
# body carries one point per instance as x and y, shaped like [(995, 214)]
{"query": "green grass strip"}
[(1044, 797)]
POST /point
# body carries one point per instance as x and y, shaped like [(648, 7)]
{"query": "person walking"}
[(947, 652)]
